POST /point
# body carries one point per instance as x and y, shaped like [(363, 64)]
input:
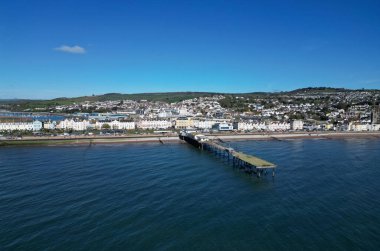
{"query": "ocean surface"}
[(148, 196), (41, 117)]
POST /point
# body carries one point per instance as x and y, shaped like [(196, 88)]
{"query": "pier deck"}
[(249, 163), (249, 159), (252, 160)]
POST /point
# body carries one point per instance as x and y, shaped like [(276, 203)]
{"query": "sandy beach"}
[(60, 140), (298, 135)]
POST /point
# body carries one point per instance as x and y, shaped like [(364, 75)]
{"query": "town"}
[(309, 109)]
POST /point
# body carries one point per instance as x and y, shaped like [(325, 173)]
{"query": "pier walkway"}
[(249, 163)]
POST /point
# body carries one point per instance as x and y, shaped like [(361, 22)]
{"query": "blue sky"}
[(70, 48)]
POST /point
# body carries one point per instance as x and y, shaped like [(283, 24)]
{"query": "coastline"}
[(89, 140), (300, 135), (38, 141)]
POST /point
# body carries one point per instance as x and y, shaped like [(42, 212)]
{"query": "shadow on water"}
[(85, 151)]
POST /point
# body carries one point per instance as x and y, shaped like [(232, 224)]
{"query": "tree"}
[(106, 126), (343, 106)]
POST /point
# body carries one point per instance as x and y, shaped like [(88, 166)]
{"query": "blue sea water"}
[(148, 196), (41, 117)]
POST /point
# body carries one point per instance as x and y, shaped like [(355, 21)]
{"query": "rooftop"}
[(252, 160)]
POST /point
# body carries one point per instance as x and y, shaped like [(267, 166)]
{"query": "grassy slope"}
[(19, 105)]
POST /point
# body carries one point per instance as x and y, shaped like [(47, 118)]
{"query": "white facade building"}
[(274, 126), (154, 124), (183, 111), (68, 124), (204, 124), (375, 127), (249, 126), (356, 127), (21, 126), (50, 125), (115, 124), (278, 126), (122, 125), (224, 127), (296, 125), (37, 125)]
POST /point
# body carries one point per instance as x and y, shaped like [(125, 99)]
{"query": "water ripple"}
[(172, 196)]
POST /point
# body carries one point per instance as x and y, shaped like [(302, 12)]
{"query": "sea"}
[(33, 116), (148, 196)]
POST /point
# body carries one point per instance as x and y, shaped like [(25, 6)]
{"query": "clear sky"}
[(69, 48)]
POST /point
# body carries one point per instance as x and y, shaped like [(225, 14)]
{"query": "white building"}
[(154, 124), (296, 125), (50, 125), (12, 126), (122, 125), (224, 126), (278, 126), (70, 124), (250, 126), (37, 125), (183, 111), (21, 126), (115, 124), (244, 126), (165, 114), (204, 124), (375, 127), (357, 127)]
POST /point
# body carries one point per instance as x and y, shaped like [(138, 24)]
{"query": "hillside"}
[(169, 97), (159, 96)]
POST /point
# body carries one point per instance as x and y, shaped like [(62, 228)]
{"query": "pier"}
[(249, 163)]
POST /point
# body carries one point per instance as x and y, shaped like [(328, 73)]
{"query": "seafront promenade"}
[(58, 140), (297, 135)]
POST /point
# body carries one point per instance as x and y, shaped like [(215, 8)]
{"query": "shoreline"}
[(302, 135), (89, 140)]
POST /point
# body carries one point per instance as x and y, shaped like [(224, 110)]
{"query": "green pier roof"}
[(254, 161)]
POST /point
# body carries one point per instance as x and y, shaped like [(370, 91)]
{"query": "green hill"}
[(169, 97)]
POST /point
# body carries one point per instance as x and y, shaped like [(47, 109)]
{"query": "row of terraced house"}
[(178, 123)]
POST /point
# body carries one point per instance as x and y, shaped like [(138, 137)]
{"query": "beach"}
[(60, 140)]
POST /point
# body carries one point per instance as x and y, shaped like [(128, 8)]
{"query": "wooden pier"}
[(250, 164)]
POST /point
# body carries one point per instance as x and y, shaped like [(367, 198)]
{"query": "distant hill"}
[(319, 89), (158, 96), (327, 89), (169, 97)]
